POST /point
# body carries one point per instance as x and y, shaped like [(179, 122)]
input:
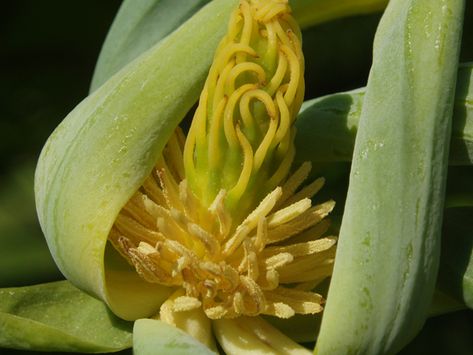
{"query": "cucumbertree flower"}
[(210, 231), (215, 233), (221, 219)]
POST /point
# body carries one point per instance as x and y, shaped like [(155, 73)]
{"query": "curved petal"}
[(104, 149)]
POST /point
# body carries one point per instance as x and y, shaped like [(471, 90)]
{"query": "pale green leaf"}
[(389, 245), (327, 126), (59, 317)]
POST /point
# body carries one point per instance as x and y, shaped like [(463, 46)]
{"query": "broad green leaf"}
[(59, 317), (328, 125), (138, 26), (389, 244), (152, 337)]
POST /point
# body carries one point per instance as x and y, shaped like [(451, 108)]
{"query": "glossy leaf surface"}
[(59, 317), (328, 125), (389, 245)]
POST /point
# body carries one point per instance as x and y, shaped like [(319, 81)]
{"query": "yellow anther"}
[(217, 208), (294, 181), (261, 235), (256, 295), (289, 213), (280, 310), (210, 242), (307, 192), (251, 221), (216, 312), (304, 221), (278, 261), (185, 303)]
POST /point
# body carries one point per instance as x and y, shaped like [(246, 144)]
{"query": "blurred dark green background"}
[(48, 51)]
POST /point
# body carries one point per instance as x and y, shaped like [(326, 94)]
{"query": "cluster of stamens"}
[(266, 265)]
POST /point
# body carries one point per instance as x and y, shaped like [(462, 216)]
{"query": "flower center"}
[(267, 264), (220, 218)]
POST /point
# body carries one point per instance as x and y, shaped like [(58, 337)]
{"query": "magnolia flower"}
[(221, 229), (219, 217), (211, 233)]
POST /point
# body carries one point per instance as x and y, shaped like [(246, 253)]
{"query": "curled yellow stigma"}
[(241, 138), (221, 218)]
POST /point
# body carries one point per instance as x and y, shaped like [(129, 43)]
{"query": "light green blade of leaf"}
[(389, 245), (138, 26), (327, 126), (151, 336), (59, 317)]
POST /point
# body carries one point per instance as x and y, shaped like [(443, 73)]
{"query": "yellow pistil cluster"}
[(241, 138), (220, 218)]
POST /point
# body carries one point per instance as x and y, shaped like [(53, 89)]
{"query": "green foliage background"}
[(47, 56)]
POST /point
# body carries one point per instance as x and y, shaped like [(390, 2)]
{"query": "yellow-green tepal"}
[(388, 252)]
